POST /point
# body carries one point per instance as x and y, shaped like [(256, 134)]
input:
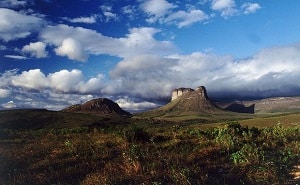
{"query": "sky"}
[(57, 53)]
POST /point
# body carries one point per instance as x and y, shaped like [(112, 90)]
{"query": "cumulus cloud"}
[(222, 4), (72, 49), (36, 49), (137, 41), (9, 105), (141, 41), (93, 85), (15, 25), (32, 79), (61, 81), (164, 12), (156, 9), (249, 8), (226, 7)]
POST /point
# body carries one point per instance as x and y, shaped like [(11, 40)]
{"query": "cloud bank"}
[(141, 81)]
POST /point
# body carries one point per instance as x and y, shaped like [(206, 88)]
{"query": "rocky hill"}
[(101, 106)]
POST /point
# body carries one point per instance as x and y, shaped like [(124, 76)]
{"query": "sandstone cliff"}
[(179, 92)]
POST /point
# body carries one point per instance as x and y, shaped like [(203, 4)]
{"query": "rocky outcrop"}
[(102, 106), (201, 91), (179, 92)]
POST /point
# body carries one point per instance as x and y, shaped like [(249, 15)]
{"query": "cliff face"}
[(201, 91), (179, 92), (100, 106)]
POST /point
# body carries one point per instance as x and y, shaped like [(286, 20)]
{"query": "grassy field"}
[(97, 150)]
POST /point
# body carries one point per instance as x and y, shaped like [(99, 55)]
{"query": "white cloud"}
[(61, 81), (5, 78), (36, 49), (156, 9), (15, 25), (138, 41), (108, 14), (9, 105), (131, 106), (92, 85), (164, 12), (226, 7), (249, 8), (182, 18), (32, 79), (16, 57), (88, 20), (141, 41), (64, 80), (72, 49), (222, 4), (4, 93)]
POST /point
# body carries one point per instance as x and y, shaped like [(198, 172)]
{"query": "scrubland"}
[(145, 151)]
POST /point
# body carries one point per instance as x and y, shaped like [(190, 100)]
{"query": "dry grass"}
[(150, 152)]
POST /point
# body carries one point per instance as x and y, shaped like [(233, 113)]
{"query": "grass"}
[(149, 151), (267, 120)]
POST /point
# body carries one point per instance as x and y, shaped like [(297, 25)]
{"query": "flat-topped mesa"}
[(179, 92), (201, 91)]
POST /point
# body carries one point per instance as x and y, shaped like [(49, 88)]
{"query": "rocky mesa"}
[(186, 102)]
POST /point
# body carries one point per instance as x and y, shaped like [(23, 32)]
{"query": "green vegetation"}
[(137, 151)]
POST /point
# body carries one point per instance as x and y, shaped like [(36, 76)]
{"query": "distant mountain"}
[(101, 106), (267, 105), (186, 102)]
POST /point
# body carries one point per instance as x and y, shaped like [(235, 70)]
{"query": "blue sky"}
[(56, 53)]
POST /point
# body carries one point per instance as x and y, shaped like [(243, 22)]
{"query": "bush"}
[(135, 134)]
